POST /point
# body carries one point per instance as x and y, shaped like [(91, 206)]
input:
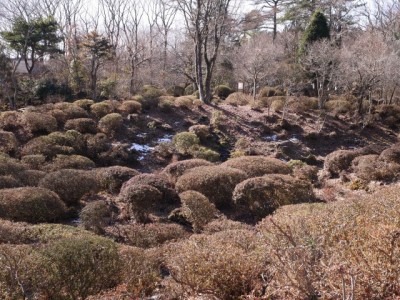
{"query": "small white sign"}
[(240, 86)]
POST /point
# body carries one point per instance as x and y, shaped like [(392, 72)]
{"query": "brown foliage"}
[(82, 125), (261, 196), (8, 142), (215, 182), (197, 209), (70, 185), (177, 169), (255, 166), (30, 204), (112, 178)]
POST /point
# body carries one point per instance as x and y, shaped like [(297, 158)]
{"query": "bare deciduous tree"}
[(206, 23)]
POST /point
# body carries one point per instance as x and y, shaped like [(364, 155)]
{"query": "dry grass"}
[(215, 182), (255, 166)]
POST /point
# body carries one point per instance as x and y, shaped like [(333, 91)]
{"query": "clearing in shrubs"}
[(260, 196), (255, 166), (30, 204), (177, 169), (215, 182), (70, 185)]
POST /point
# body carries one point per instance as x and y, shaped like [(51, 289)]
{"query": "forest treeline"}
[(109, 49)]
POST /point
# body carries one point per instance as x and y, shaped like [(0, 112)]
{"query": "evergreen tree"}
[(33, 39), (316, 30)]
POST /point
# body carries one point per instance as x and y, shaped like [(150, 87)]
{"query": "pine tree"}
[(316, 30)]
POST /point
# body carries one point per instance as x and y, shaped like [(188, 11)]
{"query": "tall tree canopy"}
[(316, 30)]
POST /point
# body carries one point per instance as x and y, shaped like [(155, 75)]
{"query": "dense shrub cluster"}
[(8, 142), (69, 184), (215, 182), (260, 196), (177, 169), (82, 125), (31, 204), (130, 107), (111, 178), (111, 123), (328, 250), (255, 166)]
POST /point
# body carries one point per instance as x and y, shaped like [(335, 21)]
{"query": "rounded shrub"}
[(184, 141), (65, 111), (10, 120), (10, 166), (201, 152), (261, 196), (256, 166), (238, 99), (111, 123), (197, 209), (71, 162), (70, 185), (34, 161), (8, 182), (141, 199), (223, 91), (391, 154), (225, 264), (84, 103), (185, 102), (369, 167), (151, 96), (96, 144), (159, 182), (339, 161), (30, 204), (31, 177), (101, 109), (8, 142), (75, 268), (177, 169), (215, 182), (95, 216), (111, 178), (38, 123), (166, 103), (81, 125), (202, 132), (176, 91), (131, 107), (270, 92)]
